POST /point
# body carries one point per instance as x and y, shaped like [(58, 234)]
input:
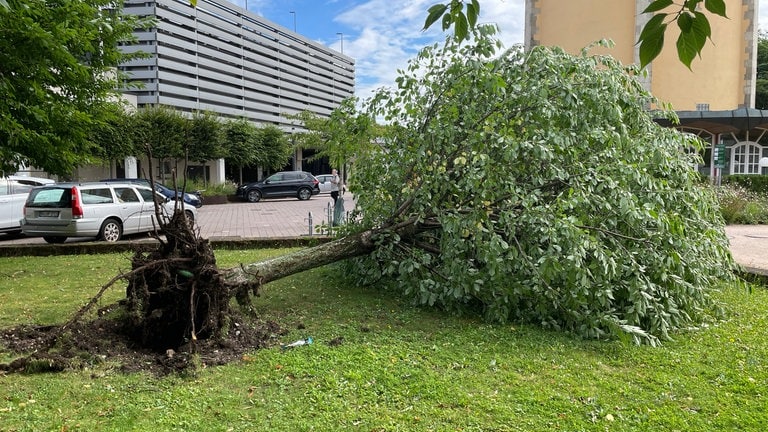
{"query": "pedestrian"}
[(335, 185)]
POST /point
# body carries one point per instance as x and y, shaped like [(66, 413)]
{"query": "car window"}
[(275, 177), (49, 197), (22, 186), (147, 195), (126, 195), (96, 196), (3, 186)]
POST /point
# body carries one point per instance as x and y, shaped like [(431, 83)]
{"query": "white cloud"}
[(387, 33)]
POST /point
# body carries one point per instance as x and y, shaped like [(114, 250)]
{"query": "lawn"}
[(396, 368)]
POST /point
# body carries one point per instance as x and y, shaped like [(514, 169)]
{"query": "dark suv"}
[(286, 184)]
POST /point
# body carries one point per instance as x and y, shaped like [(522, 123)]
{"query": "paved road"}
[(290, 218)]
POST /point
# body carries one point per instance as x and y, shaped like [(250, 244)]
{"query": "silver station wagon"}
[(103, 210)]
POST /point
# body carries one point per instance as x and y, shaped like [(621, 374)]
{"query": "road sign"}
[(718, 155)]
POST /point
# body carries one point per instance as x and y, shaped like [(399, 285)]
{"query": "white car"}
[(13, 193), (104, 210)]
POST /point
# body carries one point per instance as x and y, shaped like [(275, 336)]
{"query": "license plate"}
[(48, 214)]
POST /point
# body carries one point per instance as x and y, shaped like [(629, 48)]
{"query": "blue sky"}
[(381, 35)]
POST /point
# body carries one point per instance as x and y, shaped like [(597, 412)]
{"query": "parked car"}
[(13, 194), (299, 184), (103, 210), (194, 199)]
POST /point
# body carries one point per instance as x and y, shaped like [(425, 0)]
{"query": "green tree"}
[(274, 148), (242, 141), (205, 138), (113, 138), (531, 187), (761, 94), (340, 136), (160, 133), (57, 79), (693, 24)]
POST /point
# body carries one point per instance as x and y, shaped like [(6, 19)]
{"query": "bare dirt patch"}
[(106, 340)]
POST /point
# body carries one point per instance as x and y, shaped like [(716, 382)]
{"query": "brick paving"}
[(286, 217)]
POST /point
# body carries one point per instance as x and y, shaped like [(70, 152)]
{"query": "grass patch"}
[(396, 367)]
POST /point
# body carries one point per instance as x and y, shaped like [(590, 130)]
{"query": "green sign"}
[(718, 155)]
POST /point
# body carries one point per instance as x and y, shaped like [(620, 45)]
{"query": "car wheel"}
[(190, 215), (305, 194), (111, 231), (54, 239), (253, 195)]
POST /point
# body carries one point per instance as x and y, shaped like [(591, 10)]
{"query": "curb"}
[(98, 247)]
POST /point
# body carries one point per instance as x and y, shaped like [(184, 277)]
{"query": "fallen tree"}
[(526, 186)]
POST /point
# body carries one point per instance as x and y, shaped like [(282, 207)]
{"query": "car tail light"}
[(77, 206), (316, 182)]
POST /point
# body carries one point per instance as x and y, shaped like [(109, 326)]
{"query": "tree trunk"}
[(297, 262)]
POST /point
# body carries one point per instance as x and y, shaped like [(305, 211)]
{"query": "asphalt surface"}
[(290, 218)]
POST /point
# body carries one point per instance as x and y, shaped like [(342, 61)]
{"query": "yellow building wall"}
[(574, 24), (719, 78)]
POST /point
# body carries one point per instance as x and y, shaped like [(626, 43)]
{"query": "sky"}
[(382, 35)]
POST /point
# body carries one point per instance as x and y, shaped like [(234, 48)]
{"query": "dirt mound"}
[(177, 315), (105, 340)]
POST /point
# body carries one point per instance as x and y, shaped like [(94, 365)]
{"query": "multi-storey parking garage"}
[(220, 58)]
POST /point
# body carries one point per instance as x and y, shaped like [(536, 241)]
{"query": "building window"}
[(702, 107), (746, 158)]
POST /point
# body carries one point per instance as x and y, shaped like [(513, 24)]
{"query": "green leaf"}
[(717, 7), (687, 47), (691, 5), (473, 11), (462, 27), (447, 21), (434, 13), (685, 22), (657, 6), (652, 27), (701, 28), (652, 40)]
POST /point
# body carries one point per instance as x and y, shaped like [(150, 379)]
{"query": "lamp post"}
[(294, 20), (341, 38)]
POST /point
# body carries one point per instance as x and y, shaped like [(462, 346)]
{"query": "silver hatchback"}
[(103, 210)]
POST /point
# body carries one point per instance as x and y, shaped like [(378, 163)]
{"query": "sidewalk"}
[(749, 247)]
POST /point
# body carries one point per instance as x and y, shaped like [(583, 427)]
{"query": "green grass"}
[(398, 369)]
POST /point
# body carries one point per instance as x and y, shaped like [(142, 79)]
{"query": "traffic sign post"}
[(718, 155)]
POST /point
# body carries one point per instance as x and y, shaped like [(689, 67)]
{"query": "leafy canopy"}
[(340, 135), (57, 79), (536, 187)]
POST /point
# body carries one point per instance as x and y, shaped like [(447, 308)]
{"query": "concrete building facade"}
[(714, 98), (220, 58)]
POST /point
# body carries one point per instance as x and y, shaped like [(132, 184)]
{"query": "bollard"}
[(310, 223), (329, 211)]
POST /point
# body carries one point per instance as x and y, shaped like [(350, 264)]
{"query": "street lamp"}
[(341, 38), (294, 20)]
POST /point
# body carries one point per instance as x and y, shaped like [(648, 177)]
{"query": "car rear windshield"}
[(53, 197)]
